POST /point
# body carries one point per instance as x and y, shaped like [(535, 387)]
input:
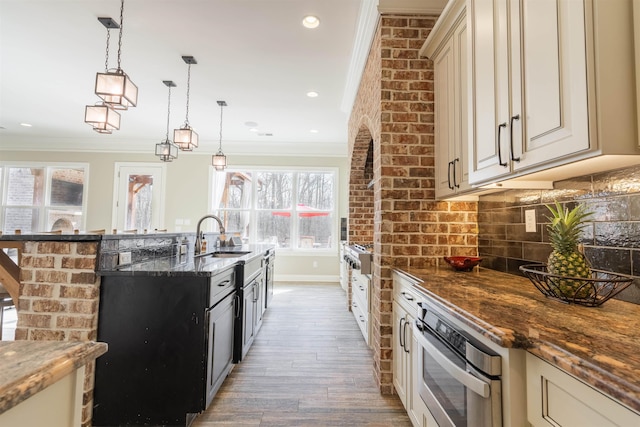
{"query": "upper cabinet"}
[(551, 82), (447, 47)]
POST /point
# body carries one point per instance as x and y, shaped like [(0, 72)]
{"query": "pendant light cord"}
[(120, 35), (106, 57), (220, 146), (168, 115), (186, 120)]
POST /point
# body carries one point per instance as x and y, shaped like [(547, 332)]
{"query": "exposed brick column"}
[(59, 293), (395, 104)]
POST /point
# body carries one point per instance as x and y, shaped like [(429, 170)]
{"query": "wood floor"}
[(309, 366)]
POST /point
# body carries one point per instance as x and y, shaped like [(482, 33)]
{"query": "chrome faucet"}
[(198, 236)]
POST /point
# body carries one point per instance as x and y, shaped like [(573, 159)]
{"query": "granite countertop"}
[(188, 265), (599, 345), (27, 367)]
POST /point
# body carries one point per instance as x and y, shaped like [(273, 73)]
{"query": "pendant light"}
[(219, 160), (167, 150), (115, 87), (186, 138), (101, 116)]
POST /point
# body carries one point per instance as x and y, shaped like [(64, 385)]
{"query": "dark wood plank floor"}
[(309, 366)]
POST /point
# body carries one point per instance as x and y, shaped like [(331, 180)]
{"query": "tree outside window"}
[(291, 209)]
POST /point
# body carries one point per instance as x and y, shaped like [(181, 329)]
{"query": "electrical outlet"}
[(530, 220), (124, 258)]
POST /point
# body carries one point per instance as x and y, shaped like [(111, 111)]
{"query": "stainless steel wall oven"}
[(459, 377)]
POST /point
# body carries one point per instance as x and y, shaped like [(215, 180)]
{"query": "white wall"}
[(187, 196)]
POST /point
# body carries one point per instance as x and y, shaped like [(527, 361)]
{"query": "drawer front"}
[(361, 316), (405, 294), (220, 285), (360, 288)]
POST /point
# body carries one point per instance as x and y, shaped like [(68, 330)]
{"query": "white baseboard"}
[(306, 278)]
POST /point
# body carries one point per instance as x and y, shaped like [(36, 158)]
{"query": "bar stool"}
[(5, 302)]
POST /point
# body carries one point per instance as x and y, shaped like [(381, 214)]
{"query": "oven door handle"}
[(473, 383)]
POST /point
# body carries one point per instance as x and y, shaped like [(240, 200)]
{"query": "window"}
[(39, 198), (291, 209)]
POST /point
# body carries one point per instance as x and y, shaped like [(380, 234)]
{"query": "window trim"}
[(294, 229), (46, 206)]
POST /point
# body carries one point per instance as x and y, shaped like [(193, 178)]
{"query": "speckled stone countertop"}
[(188, 265), (600, 345), (27, 367)]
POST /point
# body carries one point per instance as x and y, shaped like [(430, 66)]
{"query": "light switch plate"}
[(183, 249), (124, 258), (530, 220)]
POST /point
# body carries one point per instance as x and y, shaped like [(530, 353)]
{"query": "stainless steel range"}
[(359, 257)]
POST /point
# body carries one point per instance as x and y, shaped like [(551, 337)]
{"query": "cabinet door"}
[(248, 321), (549, 80), (220, 344), (489, 92), (399, 365), (461, 118), (444, 81)]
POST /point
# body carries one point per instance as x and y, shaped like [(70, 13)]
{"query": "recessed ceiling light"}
[(27, 125), (253, 130), (311, 21), (312, 94), (251, 124), (314, 131)]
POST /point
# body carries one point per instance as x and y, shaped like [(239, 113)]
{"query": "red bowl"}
[(462, 263)]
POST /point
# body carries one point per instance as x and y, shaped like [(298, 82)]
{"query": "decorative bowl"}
[(462, 263), (590, 292)]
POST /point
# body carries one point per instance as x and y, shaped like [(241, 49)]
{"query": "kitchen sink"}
[(226, 254)]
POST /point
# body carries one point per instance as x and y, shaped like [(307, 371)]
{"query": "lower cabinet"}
[(220, 321), (407, 365), (555, 398), (360, 302)]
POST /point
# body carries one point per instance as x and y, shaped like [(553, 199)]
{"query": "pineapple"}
[(566, 259)]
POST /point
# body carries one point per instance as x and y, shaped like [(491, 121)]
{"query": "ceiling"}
[(253, 54)]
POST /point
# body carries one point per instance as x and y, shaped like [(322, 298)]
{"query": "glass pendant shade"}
[(116, 89), (219, 161), (185, 138), (102, 117), (167, 151)]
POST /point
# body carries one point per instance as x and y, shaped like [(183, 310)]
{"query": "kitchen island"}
[(599, 346), (175, 326)]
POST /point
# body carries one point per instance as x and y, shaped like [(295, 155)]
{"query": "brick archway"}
[(394, 108)]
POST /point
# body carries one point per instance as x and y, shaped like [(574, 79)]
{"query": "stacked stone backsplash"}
[(143, 248), (611, 238)]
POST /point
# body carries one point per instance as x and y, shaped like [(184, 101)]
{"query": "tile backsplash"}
[(611, 238)]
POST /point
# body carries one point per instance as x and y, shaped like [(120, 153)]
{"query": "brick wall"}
[(394, 106), (58, 301)]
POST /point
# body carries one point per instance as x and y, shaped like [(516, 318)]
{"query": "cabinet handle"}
[(407, 297), (451, 187), (455, 181), (500, 126), (404, 335), (401, 331), (516, 117), (224, 283)]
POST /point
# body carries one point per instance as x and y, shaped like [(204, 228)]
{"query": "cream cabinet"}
[(555, 398), (360, 302), (447, 47), (406, 366), (551, 83)]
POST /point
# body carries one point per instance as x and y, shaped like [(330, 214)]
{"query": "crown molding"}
[(417, 7)]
